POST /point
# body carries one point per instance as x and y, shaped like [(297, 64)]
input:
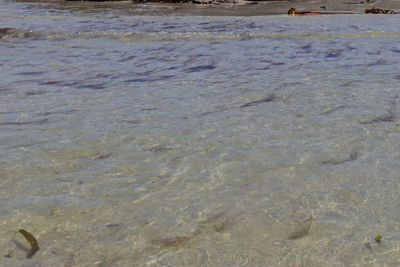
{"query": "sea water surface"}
[(135, 136)]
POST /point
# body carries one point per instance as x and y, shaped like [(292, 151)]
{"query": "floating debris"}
[(32, 240), (303, 229)]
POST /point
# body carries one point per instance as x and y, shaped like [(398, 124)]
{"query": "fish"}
[(270, 98), (303, 229)]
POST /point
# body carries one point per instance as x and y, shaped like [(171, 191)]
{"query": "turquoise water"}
[(134, 136)]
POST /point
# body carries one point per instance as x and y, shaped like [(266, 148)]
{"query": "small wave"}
[(187, 36)]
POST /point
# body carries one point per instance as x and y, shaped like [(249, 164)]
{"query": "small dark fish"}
[(159, 149), (302, 229), (328, 111), (25, 122), (353, 156), (383, 118), (32, 240), (113, 225), (9, 254), (174, 242), (220, 227), (214, 218), (269, 98), (39, 92), (102, 156)]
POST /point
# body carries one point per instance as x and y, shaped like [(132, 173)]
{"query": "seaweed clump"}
[(293, 12), (32, 240), (378, 239), (378, 11)]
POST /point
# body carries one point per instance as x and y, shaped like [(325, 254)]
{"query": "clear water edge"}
[(122, 146)]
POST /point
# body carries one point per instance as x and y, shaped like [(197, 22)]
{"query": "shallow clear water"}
[(133, 137)]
